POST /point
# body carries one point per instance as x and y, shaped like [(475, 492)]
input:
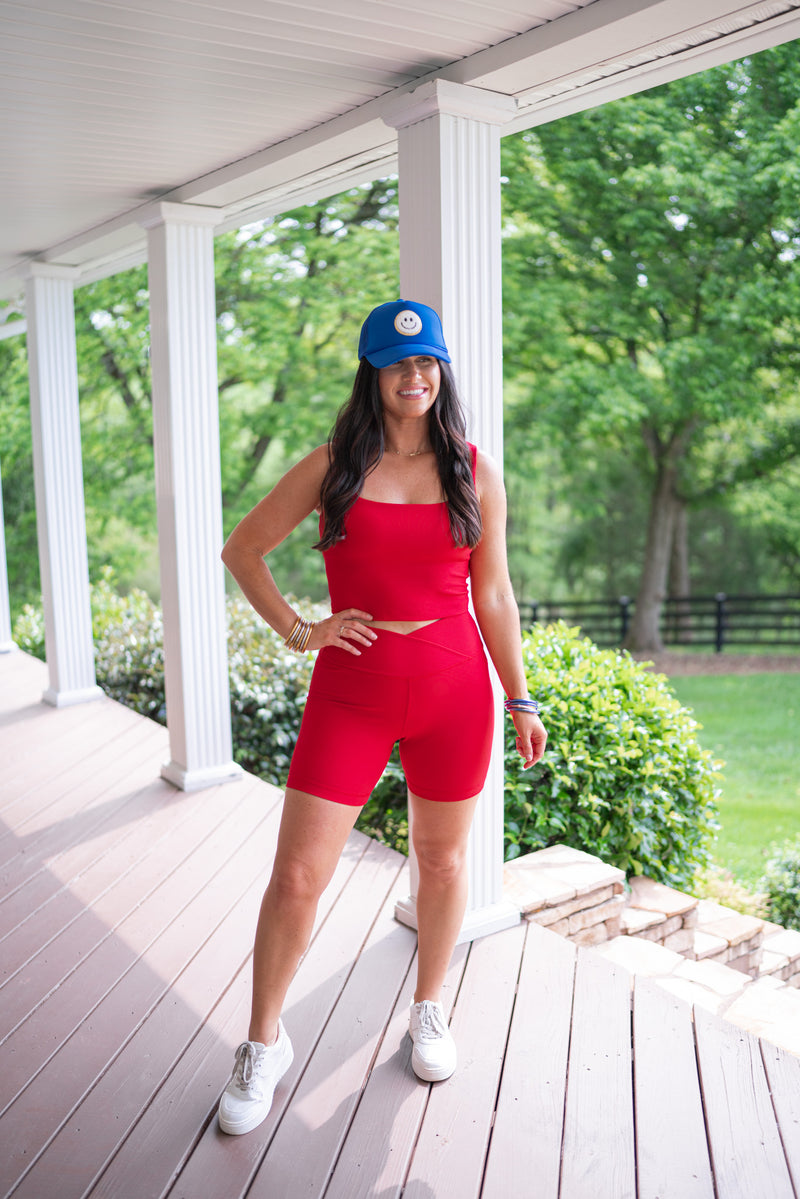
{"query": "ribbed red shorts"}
[(429, 690)]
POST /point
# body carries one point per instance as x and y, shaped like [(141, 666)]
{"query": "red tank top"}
[(398, 562)]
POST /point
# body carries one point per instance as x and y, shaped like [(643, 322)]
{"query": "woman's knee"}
[(443, 864), (295, 881)]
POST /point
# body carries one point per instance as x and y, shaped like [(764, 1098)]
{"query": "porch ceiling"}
[(255, 106)]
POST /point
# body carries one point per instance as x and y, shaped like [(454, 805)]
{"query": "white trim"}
[(13, 329), (163, 211), (554, 57), (439, 97), (198, 780), (630, 80)]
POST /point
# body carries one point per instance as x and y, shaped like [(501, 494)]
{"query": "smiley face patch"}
[(408, 323)]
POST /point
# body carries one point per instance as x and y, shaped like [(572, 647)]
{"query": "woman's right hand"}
[(346, 630)]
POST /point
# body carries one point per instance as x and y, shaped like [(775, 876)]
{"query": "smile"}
[(416, 391)]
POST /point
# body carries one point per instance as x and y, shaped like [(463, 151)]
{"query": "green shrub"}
[(717, 883), (781, 882), (129, 647), (28, 630), (269, 685), (623, 776)]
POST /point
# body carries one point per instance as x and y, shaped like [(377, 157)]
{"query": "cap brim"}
[(397, 353)]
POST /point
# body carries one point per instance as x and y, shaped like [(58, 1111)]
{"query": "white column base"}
[(8, 647), (67, 699), (479, 922), (198, 780)]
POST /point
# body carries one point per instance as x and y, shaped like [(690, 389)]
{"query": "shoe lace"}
[(431, 1021), (245, 1068)]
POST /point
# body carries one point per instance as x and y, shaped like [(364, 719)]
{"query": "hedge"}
[(623, 776)]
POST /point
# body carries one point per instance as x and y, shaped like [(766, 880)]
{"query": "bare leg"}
[(440, 833), (312, 835)]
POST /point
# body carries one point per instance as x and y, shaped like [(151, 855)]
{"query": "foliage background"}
[(623, 775), (650, 293)]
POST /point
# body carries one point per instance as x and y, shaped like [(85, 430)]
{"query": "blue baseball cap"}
[(400, 330)]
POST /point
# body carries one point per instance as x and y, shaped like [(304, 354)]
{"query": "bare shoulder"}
[(305, 476), (488, 478)]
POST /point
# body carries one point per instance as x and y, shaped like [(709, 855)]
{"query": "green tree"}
[(291, 293), (652, 289)]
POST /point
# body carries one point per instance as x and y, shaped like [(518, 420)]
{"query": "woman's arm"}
[(496, 609), (291, 500)]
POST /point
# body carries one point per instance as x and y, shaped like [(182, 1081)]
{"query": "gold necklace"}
[(411, 453)]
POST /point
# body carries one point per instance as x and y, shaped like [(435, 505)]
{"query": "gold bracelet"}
[(298, 639), (291, 638), (294, 644), (309, 629)]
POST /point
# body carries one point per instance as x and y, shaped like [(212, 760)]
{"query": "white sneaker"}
[(257, 1071), (433, 1057)]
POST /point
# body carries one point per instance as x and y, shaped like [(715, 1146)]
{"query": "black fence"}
[(696, 620)]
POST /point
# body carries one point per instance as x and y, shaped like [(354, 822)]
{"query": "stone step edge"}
[(581, 897), (763, 1006)]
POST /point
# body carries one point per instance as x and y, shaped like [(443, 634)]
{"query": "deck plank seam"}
[(368, 1072), (776, 1113), (566, 1081), (138, 728), (502, 1071), (144, 1016), (108, 852), (140, 957), (112, 930)]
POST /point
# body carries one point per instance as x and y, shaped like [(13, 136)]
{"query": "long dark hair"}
[(356, 446)]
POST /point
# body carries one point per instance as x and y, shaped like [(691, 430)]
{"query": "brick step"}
[(707, 931), (568, 891), (581, 897), (763, 1006)]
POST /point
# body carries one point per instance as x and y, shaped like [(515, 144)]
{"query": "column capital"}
[(441, 97), (165, 212), (35, 269)]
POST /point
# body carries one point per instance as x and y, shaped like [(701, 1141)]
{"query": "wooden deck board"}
[(598, 1147), (126, 919), (744, 1138), (528, 1130), (672, 1151), (452, 1145)]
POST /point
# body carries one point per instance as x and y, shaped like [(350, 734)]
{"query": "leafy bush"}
[(129, 648), (623, 776), (781, 882), (714, 882), (269, 685)]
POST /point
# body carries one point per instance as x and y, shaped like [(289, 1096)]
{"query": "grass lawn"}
[(750, 721)]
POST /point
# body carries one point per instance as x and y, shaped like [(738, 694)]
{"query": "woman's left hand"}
[(531, 737)]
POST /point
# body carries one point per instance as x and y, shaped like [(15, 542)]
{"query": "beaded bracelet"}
[(298, 639), (521, 705)]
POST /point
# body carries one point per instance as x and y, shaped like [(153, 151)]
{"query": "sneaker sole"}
[(238, 1129), (430, 1073)]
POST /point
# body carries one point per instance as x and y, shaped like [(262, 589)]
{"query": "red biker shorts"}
[(429, 690)]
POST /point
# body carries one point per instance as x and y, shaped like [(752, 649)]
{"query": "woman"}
[(408, 512)]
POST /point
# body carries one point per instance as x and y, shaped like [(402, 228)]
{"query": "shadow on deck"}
[(126, 920)]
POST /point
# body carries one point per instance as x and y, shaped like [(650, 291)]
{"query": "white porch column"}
[(58, 476), (188, 493), (450, 258), (7, 643)]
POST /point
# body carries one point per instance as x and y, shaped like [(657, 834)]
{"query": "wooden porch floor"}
[(126, 918)]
